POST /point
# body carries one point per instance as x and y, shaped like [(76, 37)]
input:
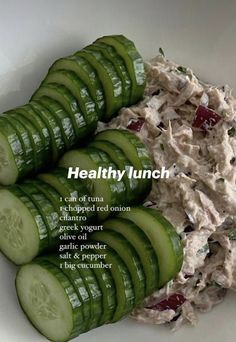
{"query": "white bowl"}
[(199, 34)]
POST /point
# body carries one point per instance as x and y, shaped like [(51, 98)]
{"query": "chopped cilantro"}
[(182, 69), (231, 132), (161, 52), (162, 147), (232, 235), (220, 180)]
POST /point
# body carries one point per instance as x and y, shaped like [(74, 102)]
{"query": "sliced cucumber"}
[(57, 142), (129, 256), (78, 283), (123, 163), (111, 82), (49, 301), (73, 190), (110, 53), (107, 286), (12, 163), (134, 63), (110, 191), (68, 102), (62, 119), (36, 141), (95, 294), (143, 247), (134, 150), (28, 112), (24, 138), (79, 90), (163, 237), (124, 290), (84, 71), (23, 232), (49, 214)]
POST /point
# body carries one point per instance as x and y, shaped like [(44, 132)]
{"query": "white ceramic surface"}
[(34, 33)]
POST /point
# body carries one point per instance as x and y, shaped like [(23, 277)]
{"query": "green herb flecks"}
[(232, 132), (161, 52)]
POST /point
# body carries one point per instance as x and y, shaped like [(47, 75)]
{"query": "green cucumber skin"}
[(122, 162), (69, 188), (129, 256), (84, 71), (70, 291), (143, 247), (23, 136), (57, 142), (78, 284), (112, 86), (28, 112), (48, 213), (95, 294), (16, 147), (125, 295), (159, 226), (16, 190), (133, 61), (107, 287), (36, 138), (110, 53), (141, 157), (62, 119), (79, 90), (68, 102)]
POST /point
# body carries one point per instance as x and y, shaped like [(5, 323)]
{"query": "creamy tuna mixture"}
[(199, 198)]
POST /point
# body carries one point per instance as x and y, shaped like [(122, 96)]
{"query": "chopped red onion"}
[(172, 302), (136, 124), (205, 118)]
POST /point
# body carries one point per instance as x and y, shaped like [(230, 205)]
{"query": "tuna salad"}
[(190, 129)]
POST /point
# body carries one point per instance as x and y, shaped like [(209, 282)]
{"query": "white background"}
[(197, 33)]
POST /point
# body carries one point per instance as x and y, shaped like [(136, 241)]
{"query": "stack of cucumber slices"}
[(32, 212), (79, 90), (133, 253), (142, 252)]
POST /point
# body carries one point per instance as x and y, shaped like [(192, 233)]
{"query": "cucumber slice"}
[(87, 74), (135, 236), (134, 150), (60, 94), (12, 163), (129, 256), (49, 301), (62, 119), (124, 290), (110, 191), (110, 53), (77, 282), (111, 82), (24, 138), (29, 114), (49, 214), (35, 139), (95, 294), (23, 232), (122, 162), (133, 61), (163, 237), (79, 90), (56, 139), (107, 286), (70, 189)]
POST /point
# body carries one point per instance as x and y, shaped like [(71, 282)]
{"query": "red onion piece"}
[(136, 124), (172, 302), (205, 118)]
